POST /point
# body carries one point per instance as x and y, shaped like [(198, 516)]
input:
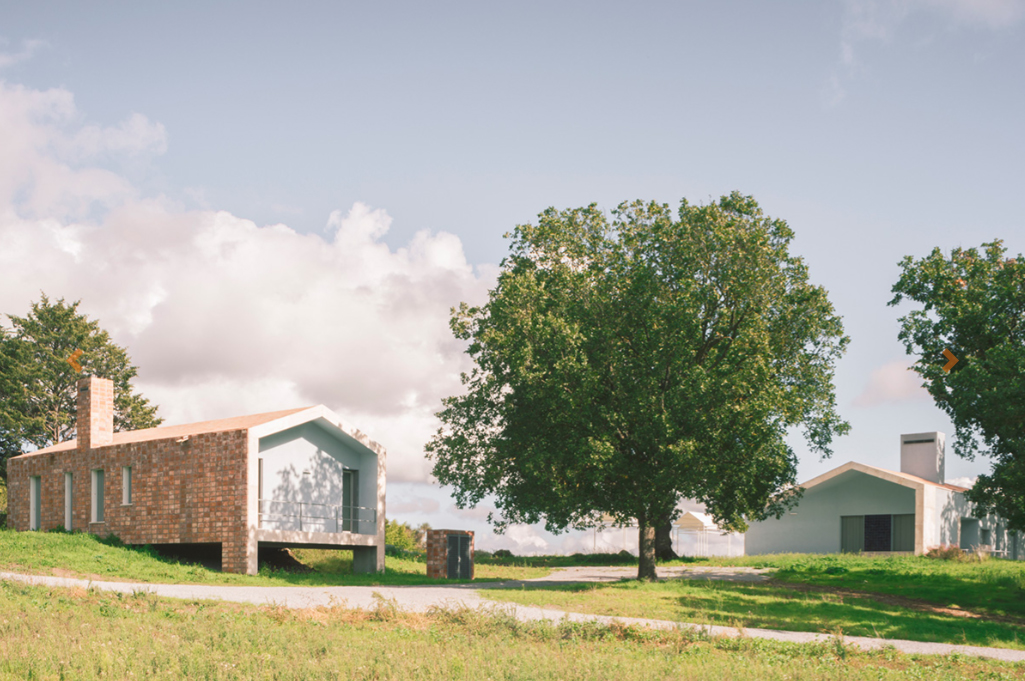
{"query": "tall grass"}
[(79, 634)]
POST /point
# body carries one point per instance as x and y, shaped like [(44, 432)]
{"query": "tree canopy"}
[(622, 365), (38, 384), (973, 303)]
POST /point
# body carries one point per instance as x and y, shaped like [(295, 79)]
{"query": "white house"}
[(863, 508)]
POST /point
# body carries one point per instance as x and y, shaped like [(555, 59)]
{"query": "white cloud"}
[(133, 136), (28, 50), (893, 382), (993, 14), (414, 505), (878, 21), (223, 316)]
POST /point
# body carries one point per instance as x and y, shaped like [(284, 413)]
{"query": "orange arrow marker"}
[(951, 360), (73, 360)]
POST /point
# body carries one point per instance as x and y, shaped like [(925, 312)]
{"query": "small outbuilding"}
[(861, 508), (294, 478)]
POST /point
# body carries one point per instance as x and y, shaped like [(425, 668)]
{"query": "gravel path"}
[(422, 598)]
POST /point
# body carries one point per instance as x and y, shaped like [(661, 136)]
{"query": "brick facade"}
[(191, 484), (185, 490), (190, 492), (437, 552)]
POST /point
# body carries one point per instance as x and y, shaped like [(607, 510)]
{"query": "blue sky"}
[(274, 204)]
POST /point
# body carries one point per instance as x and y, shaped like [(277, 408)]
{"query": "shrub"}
[(945, 552), (400, 535)]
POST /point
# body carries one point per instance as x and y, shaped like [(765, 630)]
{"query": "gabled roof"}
[(903, 479), (692, 520), (164, 432)]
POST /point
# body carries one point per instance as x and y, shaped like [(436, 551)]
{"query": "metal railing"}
[(307, 517)]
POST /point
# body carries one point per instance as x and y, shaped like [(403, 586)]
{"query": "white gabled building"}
[(863, 508)]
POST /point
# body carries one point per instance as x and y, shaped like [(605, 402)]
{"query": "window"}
[(126, 485), (97, 496), (987, 538), (35, 485), (67, 502)]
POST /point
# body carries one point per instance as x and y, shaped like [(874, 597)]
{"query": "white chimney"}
[(921, 454)]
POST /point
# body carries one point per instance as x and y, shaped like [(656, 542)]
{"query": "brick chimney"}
[(95, 422)]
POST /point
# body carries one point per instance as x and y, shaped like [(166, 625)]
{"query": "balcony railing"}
[(306, 517)]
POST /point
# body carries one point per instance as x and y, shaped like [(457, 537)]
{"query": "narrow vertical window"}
[(67, 502), (126, 485), (35, 485), (97, 496)]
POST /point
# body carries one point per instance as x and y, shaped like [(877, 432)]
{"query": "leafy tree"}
[(401, 535), (973, 303), (38, 384), (622, 366)]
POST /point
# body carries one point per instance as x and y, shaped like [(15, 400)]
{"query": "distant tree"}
[(973, 303), (401, 535), (623, 366), (421, 535), (38, 384)]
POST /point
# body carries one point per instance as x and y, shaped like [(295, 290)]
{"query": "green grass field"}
[(79, 634), (907, 597), (992, 587), (765, 607), (84, 555)]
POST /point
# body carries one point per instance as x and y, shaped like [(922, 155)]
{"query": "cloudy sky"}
[(276, 204)]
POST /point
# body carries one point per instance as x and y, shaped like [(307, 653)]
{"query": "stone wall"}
[(437, 553), (187, 492)]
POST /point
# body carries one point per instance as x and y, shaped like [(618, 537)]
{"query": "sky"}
[(276, 204)]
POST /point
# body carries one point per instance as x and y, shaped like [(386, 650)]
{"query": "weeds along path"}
[(423, 598)]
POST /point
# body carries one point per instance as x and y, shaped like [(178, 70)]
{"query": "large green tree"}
[(38, 384), (973, 304), (622, 365)]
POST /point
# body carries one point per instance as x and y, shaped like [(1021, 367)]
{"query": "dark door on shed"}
[(459, 556), (852, 533)]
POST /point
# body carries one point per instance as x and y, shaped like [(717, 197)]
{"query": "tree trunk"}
[(664, 540), (646, 546)]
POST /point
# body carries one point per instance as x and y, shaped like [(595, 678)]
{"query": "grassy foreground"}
[(86, 556), (992, 587), (80, 634), (765, 606)]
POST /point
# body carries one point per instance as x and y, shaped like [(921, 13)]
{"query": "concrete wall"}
[(814, 525), (305, 464), (189, 492)]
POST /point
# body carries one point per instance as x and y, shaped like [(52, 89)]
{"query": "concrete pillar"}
[(368, 559)]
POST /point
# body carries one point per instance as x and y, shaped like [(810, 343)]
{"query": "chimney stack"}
[(921, 454), (95, 417)]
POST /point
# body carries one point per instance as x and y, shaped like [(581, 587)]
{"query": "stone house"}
[(294, 478), (861, 508)]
